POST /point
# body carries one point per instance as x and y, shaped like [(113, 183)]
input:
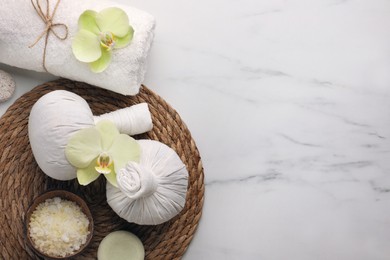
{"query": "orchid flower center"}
[(104, 161), (107, 40)]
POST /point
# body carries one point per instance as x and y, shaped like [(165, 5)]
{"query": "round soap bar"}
[(121, 245)]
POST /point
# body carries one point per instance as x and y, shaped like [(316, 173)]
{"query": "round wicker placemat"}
[(21, 180)]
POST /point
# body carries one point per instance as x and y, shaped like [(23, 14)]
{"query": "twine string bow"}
[(50, 26)]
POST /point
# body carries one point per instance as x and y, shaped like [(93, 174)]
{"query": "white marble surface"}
[(289, 103)]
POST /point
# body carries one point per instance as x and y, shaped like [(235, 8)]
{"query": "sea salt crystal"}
[(58, 227)]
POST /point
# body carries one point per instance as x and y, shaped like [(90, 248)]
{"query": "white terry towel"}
[(20, 26)]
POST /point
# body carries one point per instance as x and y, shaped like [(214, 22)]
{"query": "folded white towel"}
[(20, 26)]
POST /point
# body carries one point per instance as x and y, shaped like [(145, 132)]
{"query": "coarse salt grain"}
[(58, 227)]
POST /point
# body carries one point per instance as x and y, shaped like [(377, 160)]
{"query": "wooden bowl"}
[(63, 194)]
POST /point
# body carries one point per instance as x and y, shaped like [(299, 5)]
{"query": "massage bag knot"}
[(56, 116), (152, 191), (21, 26)]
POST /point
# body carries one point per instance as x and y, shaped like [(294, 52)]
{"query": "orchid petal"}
[(86, 46), (87, 175), (111, 178), (123, 150), (108, 132), (121, 42), (102, 63), (113, 20), (83, 147), (87, 21)]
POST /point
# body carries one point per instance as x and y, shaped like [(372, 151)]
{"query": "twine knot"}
[(50, 26)]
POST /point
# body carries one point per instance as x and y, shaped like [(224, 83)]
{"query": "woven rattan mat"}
[(21, 179)]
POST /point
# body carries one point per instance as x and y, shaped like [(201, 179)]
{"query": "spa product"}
[(7, 86), (121, 245), (58, 227), (21, 26), (56, 116), (152, 191)]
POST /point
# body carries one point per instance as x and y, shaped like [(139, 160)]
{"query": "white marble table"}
[(289, 103)]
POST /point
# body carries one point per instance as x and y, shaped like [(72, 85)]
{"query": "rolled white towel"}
[(130, 120), (20, 26)]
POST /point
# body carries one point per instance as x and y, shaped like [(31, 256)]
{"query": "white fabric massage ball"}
[(53, 119), (152, 191)]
